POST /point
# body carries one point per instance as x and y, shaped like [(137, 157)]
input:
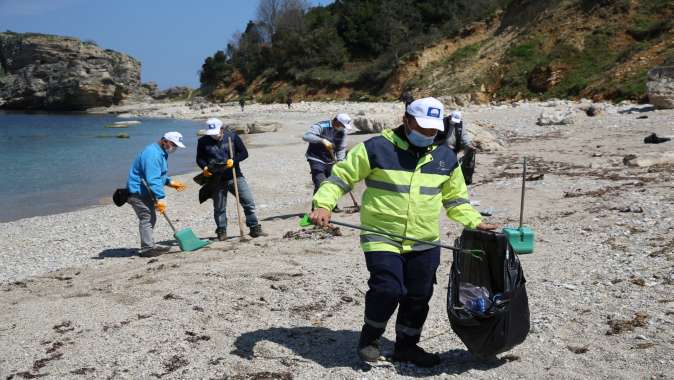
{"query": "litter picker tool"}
[(521, 238), (186, 238), (306, 222), (236, 190)]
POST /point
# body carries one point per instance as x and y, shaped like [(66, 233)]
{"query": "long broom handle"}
[(524, 182), (142, 180), (395, 236), (236, 187), (353, 198)]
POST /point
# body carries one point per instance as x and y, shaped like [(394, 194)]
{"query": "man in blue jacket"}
[(151, 165), (216, 161)]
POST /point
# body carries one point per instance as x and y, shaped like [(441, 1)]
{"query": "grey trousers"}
[(147, 218)]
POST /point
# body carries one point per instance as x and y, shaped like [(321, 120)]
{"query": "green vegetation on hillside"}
[(355, 43), (354, 47)]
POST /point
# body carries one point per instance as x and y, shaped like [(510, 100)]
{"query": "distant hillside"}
[(363, 49)]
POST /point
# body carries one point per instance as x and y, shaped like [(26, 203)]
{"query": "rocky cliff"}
[(49, 72)]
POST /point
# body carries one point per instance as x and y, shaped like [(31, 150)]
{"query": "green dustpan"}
[(186, 238), (305, 221), (521, 238)]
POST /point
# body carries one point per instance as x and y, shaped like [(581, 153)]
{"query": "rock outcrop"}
[(661, 87), (39, 71), (556, 117)]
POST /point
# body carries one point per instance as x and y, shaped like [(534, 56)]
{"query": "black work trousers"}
[(404, 280)]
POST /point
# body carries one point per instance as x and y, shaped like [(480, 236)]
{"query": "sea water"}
[(52, 163)]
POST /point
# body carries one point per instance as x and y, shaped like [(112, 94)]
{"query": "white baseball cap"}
[(213, 126), (344, 119), (175, 137), (428, 112), (456, 117)]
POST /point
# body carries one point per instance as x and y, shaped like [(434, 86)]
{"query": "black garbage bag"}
[(500, 321), (120, 196)]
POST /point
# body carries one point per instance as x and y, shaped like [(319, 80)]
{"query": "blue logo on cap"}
[(434, 112)]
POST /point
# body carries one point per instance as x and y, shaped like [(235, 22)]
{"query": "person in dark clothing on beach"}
[(456, 137), (216, 161), (407, 98)]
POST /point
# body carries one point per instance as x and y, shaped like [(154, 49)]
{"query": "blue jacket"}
[(152, 165)]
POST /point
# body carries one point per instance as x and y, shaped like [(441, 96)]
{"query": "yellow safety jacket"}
[(405, 191)]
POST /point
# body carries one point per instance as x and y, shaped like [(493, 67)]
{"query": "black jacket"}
[(214, 154)]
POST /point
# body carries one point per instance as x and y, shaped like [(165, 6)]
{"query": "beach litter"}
[(314, 234)]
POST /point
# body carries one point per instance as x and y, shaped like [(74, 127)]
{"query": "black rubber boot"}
[(256, 231), (368, 345), (222, 234), (415, 355), (369, 352)]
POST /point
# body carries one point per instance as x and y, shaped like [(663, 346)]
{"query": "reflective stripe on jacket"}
[(404, 194)]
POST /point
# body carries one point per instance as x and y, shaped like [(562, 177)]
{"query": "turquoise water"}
[(55, 163)]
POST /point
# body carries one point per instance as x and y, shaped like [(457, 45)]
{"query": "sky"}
[(171, 38)]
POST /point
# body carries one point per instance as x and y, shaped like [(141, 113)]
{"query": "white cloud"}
[(33, 7)]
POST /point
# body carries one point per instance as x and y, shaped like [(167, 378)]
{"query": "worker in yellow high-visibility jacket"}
[(409, 180)]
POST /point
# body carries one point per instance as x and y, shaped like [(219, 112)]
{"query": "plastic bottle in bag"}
[(474, 298)]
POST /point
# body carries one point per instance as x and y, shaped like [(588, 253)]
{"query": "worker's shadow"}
[(331, 349), (116, 253), (120, 253)]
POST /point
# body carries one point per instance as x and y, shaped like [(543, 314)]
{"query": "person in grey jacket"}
[(327, 145), (456, 137)]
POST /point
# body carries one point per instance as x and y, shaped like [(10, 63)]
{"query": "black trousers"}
[(319, 173), (403, 281), (468, 165)]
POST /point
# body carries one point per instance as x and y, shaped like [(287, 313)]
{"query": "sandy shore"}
[(76, 301)]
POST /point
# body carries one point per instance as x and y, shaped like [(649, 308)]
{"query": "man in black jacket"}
[(216, 161)]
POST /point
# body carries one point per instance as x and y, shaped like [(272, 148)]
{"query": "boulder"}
[(644, 160), (371, 125), (482, 137), (263, 127), (660, 87), (47, 72), (556, 117), (251, 128)]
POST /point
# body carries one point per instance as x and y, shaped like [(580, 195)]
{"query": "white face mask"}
[(171, 149)]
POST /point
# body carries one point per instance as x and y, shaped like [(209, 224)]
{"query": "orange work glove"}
[(206, 172), (179, 186), (229, 164), (160, 206)]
